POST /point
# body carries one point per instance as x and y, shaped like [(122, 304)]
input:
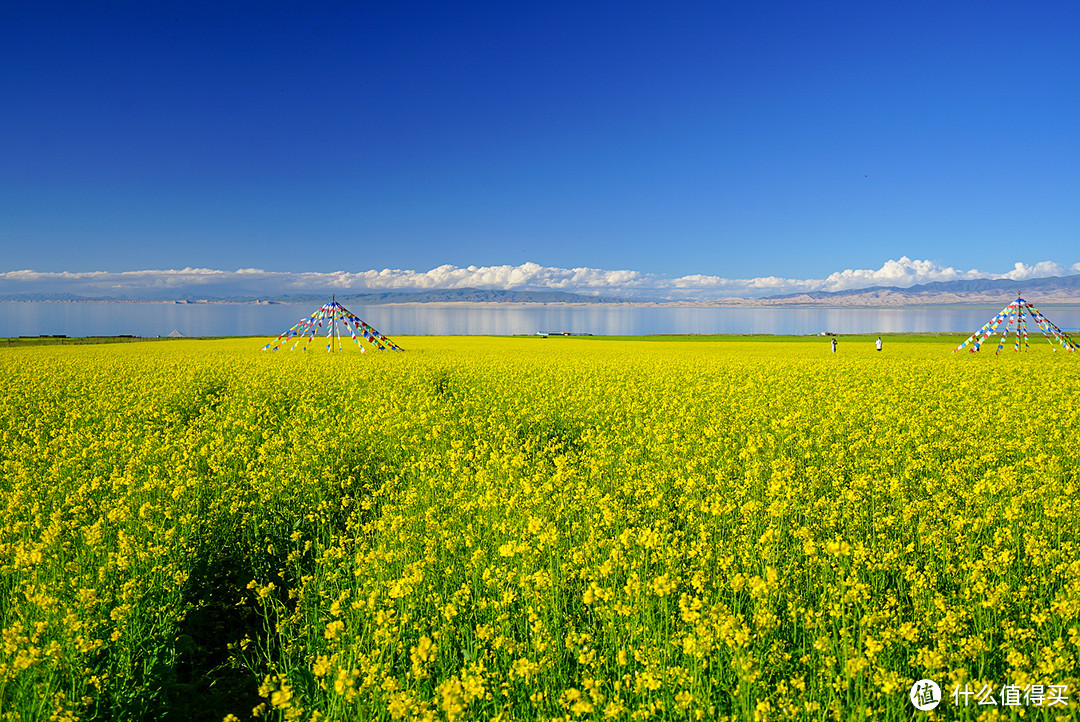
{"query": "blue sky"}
[(673, 140)]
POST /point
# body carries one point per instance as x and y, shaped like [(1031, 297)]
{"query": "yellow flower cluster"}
[(553, 529)]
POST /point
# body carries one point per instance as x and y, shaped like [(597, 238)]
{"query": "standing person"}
[(877, 344), (833, 342)]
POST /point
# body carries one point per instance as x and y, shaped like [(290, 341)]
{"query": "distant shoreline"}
[(760, 304)]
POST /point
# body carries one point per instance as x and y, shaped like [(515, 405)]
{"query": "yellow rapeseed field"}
[(554, 529)]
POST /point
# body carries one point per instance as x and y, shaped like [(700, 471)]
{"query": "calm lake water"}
[(159, 319)]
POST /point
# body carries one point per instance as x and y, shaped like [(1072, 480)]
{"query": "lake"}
[(24, 318)]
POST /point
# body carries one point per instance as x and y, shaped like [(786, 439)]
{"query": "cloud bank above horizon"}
[(251, 282)]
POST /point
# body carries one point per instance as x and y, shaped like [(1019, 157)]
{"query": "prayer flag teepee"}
[(1017, 313), (333, 315)]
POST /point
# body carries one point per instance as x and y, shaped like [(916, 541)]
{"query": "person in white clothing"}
[(877, 344)]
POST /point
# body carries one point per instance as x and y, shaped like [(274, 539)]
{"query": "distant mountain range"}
[(444, 295), (980, 291), (1056, 289)]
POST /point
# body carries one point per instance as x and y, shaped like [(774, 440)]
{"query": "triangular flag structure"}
[(332, 315), (1017, 313)]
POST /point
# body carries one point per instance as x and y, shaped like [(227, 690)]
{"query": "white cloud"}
[(208, 282), (1042, 269)]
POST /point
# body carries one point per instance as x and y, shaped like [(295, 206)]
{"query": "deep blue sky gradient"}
[(732, 139)]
